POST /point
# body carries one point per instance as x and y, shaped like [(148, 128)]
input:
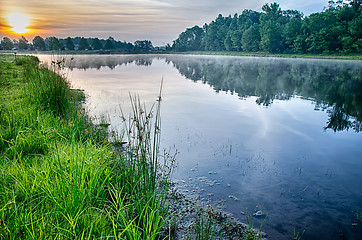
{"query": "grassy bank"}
[(60, 176)]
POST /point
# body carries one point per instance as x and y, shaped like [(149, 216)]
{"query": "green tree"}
[(143, 45), (69, 44), (324, 31), (271, 28), (7, 44), (292, 34), (355, 30), (109, 44), (251, 39), (352, 41), (271, 37), (83, 44), (39, 43), (232, 40), (96, 44), (190, 40), (23, 43), (215, 33), (54, 44)]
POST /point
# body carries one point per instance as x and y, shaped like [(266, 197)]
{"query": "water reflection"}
[(112, 61), (334, 86)]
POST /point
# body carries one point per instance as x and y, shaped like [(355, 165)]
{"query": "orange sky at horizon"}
[(16, 23)]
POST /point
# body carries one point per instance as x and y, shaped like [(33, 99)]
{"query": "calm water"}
[(277, 135)]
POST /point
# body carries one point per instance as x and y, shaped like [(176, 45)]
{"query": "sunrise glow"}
[(19, 22)]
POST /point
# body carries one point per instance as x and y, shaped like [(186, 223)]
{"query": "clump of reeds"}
[(145, 174)]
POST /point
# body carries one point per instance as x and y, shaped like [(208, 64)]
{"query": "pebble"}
[(258, 213), (233, 197)]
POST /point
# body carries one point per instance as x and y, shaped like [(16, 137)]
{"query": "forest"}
[(70, 44), (336, 30)]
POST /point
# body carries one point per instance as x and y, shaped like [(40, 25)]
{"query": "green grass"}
[(60, 177)]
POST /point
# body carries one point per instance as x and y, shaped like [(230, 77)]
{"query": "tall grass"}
[(48, 90), (60, 177)]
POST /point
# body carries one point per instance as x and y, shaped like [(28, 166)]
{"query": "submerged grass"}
[(60, 176)]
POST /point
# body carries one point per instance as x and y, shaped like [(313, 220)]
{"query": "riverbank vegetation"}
[(335, 31), (60, 175)]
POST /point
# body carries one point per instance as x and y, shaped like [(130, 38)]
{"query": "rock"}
[(258, 213), (233, 197)]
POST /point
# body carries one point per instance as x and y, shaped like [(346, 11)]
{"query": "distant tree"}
[(271, 28), (54, 44), (23, 43), (232, 40), (190, 40), (109, 44), (228, 42), (123, 45), (83, 44), (292, 32), (7, 44), (39, 43), (143, 45), (96, 44), (69, 45), (215, 33), (251, 39)]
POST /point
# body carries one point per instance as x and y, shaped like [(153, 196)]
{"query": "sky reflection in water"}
[(277, 135)]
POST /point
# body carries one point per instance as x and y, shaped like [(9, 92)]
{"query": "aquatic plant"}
[(297, 235)]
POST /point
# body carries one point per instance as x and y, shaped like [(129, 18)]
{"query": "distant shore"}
[(216, 53)]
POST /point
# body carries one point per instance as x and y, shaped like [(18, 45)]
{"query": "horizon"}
[(160, 21)]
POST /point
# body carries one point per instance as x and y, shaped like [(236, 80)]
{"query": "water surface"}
[(281, 136)]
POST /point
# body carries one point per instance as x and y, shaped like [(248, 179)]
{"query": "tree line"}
[(335, 30), (77, 43)]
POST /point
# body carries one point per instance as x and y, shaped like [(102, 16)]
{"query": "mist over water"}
[(279, 136)]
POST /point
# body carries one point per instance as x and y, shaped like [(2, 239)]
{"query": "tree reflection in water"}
[(333, 85)]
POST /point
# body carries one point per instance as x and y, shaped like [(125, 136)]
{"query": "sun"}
[(19, 22)]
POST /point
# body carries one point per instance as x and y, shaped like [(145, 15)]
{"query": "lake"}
[(273, 136)]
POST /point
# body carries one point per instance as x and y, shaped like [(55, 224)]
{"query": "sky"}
[(160, 21)]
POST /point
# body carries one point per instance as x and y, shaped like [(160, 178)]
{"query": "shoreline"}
[(221, 224), (205, 53)]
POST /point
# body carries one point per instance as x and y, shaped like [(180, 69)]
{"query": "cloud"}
[(307, 7)]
